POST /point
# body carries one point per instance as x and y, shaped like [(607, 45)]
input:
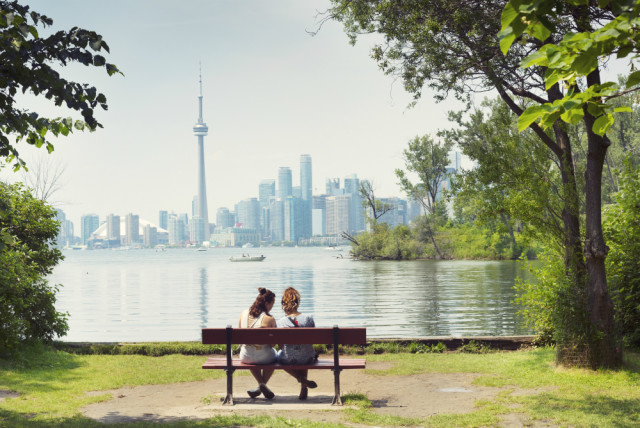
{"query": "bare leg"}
[(257, 374), (297, 374), (266, 375)]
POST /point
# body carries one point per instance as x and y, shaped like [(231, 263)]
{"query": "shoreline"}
[(452, 343)]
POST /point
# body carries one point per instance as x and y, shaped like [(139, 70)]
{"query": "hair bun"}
[(262, 290)]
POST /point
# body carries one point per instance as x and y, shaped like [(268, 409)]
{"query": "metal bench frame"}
[(329, 336)]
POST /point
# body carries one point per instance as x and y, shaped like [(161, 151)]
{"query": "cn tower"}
[(200, 130)]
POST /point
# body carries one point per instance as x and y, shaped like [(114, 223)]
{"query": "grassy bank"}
[(52, 385)]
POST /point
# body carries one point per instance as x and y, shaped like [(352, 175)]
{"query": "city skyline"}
[(273, 92)]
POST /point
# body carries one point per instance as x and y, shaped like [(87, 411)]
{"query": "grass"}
[(52, 386)]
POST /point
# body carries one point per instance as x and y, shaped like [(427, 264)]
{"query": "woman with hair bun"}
[(296, 354), (258, 317)]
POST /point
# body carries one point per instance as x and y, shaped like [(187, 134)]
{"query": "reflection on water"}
[(145, 295)]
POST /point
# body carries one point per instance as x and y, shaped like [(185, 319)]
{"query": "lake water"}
[(144, 295)]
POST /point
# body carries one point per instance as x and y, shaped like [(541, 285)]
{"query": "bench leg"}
[(337, 401), (229, 398)]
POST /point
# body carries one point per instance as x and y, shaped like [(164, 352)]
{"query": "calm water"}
[(144, 295)]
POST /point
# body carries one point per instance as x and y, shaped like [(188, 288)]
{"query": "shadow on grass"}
[(18, 420), (37, 367), (589, 410)]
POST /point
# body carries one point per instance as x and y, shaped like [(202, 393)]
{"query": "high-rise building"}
[(200, 130), (332, 186), (150, 236), (266, 191), (163, 220), (276, 210), (113, 230), (65, 232), (133, 228), (293, 221), (352, 187), (225, 218), (176, 230), (319, 215), (249, 213), (306, 177), (285, 186), (88, 224), (197, 230), (338, 214)]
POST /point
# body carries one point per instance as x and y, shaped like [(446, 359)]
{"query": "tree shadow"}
[(37, 367)]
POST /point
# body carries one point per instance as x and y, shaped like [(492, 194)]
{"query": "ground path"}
[(408, 396)]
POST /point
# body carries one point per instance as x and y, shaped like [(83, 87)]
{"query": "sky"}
[(271, 93)]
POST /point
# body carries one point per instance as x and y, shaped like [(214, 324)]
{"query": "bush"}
[(27, 301)]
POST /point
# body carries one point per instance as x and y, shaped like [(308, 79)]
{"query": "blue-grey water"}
[(144, 295)]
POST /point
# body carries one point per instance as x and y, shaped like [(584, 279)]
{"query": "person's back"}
[(258, 317), (296, 354)]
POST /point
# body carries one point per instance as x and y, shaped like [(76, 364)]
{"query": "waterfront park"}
[(552, 204)]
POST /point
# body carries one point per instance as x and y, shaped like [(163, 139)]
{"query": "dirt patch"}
[(4, 394), (409, 396)]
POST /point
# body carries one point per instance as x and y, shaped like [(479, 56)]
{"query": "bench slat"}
[(221, 363), (293, 336)]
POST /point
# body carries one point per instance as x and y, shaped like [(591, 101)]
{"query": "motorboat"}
[(247, 258)]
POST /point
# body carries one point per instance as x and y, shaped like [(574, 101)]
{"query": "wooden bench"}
[(295, 336)]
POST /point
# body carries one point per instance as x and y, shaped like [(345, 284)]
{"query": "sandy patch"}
[(4, 394), (410, 396)]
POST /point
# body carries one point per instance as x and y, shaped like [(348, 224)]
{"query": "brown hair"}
[(260, 304), (290, 300)]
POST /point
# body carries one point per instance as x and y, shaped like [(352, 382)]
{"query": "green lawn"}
[(52, 386)]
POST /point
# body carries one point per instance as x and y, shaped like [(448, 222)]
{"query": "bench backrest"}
[(293, 336)]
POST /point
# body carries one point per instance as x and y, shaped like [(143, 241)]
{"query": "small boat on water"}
[(247, 258)]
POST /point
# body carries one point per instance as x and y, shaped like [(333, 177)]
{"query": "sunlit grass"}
[(52, 387)]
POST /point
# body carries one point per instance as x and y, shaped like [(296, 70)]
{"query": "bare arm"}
[(269, 322)]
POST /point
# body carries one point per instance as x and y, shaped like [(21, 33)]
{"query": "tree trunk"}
[(514, 246), (604, 347), (433, 239), (573, 252)]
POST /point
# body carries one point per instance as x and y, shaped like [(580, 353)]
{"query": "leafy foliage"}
[(622, 230), (29, 64), (26, 299), (577, 55), (387, 243)]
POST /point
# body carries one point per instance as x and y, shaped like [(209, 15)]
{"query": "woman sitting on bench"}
[(296, 354), (256, 317)]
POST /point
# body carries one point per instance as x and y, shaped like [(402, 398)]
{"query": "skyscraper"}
[(249, 213), (88, 224), (285, 187), (200, 130), (352, 187), (133, 228), (163, 220), (306, 184), (113, 230), (306, 187), (266, 191)]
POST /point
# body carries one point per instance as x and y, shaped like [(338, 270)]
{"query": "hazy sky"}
[(271, 93)]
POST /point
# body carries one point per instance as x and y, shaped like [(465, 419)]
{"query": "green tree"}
[(514, 185), (452, 46), (428, 160), (621, 222), (26, 299), (30, 63), (574, 62)]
